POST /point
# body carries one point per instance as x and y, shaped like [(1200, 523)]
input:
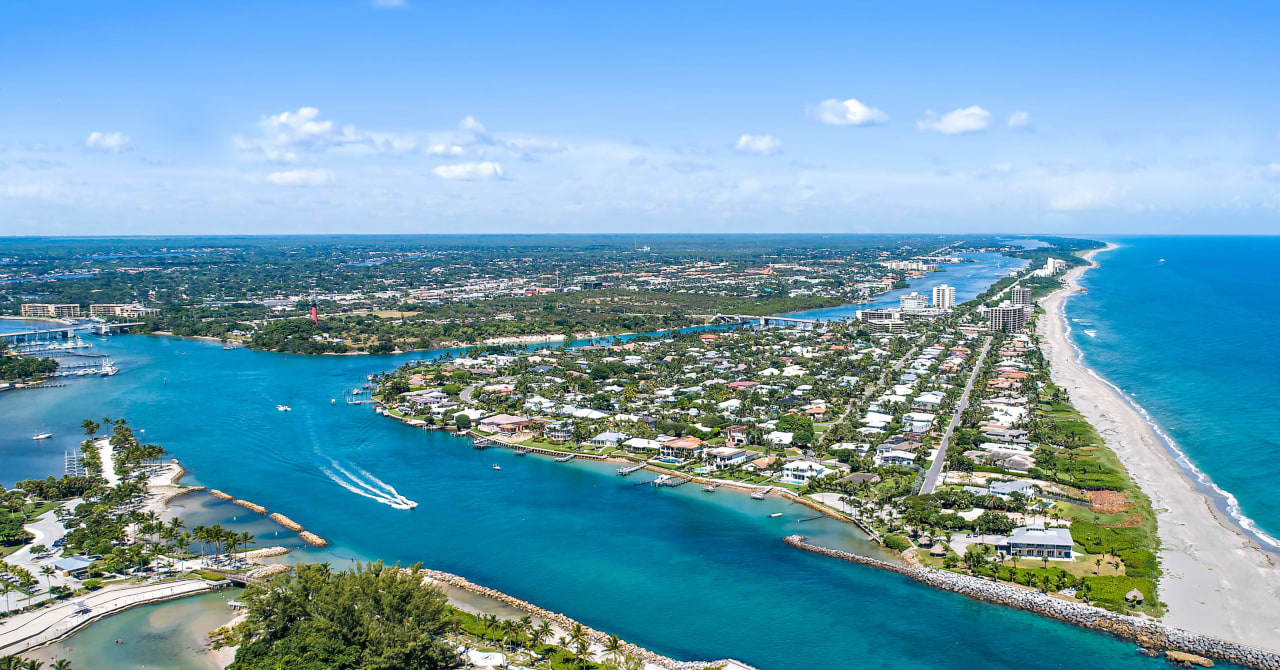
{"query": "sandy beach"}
[(1217, 580)]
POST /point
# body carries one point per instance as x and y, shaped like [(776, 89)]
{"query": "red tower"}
[(315, 318)]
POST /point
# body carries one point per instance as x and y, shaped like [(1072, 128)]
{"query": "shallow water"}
[(168, 636)]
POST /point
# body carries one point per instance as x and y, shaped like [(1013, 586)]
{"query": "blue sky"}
[(417, 116)]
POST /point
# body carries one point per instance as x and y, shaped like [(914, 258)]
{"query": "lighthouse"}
[(315, 318)]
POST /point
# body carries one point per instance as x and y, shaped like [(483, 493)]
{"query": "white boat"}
[(42, 436), (1091, 333), (108, 368), (497, 467), (333, 401), (775, 515), (283, 408)]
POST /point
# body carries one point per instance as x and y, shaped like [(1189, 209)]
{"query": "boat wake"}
[(1225, 497), (368, 486)]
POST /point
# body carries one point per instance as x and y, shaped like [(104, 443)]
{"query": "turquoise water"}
[(165, 636), (689, 574), (1191, 340)]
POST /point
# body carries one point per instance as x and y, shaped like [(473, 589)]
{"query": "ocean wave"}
[(1229, 500)]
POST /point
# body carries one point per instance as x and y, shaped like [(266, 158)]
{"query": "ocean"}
[(685, 573), (1181, 326)]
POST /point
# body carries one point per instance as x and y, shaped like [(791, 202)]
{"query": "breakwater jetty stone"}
[(1149, 634), (567, 623), (220, 495), (285, 521), (313, 539), (250, 506)]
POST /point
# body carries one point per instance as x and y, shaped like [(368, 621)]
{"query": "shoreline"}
[(1217, 579)]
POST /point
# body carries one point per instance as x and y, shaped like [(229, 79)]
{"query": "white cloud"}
[(1271, 172), (301, 178), (469, 171), (764, 145), (110, 142), (389, 4), (282, 135), (1020, 121), (847, 113), (955, 122), (471, 124), (444, 150)]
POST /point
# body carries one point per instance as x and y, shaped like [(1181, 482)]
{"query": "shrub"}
[(896, 542)]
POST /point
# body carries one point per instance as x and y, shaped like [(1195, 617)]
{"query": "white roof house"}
[(802, 472), (778, 437)]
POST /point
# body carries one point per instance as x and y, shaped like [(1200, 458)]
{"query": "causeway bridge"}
[(65, 332), (753, 320)]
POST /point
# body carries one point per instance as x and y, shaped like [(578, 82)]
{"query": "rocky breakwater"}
[(566, 623), (1149, 634)]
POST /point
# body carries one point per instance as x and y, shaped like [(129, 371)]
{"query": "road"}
[(939, 457)]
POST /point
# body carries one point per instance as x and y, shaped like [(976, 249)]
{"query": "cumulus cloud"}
[(469, 171), (443, 150), (955, 122), (1020, 121), (110, 142), (846, 113), (301, 178), (764, 145), (282, 136)]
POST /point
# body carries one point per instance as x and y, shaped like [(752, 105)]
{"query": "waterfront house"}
[(724, 457), (504, 423), (642, 445), (1037, 542), (802, 472), (76, 567), (682, 448), (608, 438), (559, 432)]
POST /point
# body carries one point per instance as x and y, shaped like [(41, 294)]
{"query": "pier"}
[(624, 471), (671, 481), (566, 458)]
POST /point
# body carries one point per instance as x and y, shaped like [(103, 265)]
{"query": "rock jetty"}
[(1149, 634), (566, 623), (250, 506), (313, 539), (285, 521), (220, 495)]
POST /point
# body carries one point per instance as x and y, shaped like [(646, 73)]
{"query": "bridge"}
[(762, 321), (65, 332)]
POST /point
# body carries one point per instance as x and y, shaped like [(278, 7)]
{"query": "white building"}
[(802, 472), (1008, 317), (913, 302), (944, 297), (1020, 295)]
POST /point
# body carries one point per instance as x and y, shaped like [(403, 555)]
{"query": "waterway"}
[(686, 573)]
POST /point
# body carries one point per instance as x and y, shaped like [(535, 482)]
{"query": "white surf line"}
[(383, 495), (1180, 457)]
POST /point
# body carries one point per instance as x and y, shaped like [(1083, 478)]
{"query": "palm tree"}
[(578, 638), (48, 571), (542, 633), (582, 649), (61, 664), (613, 647), (32, 664)]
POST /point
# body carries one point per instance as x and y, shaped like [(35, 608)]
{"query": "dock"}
[(481, 442), (624, 471), (566, 458), (671, 480)]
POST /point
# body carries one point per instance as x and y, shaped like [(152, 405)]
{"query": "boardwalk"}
[(935, 470), (34, 629)]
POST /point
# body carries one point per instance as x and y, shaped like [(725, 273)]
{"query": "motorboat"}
[(283, 408), (108, 368), (42, 436), (497, 467), (775, 515)]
